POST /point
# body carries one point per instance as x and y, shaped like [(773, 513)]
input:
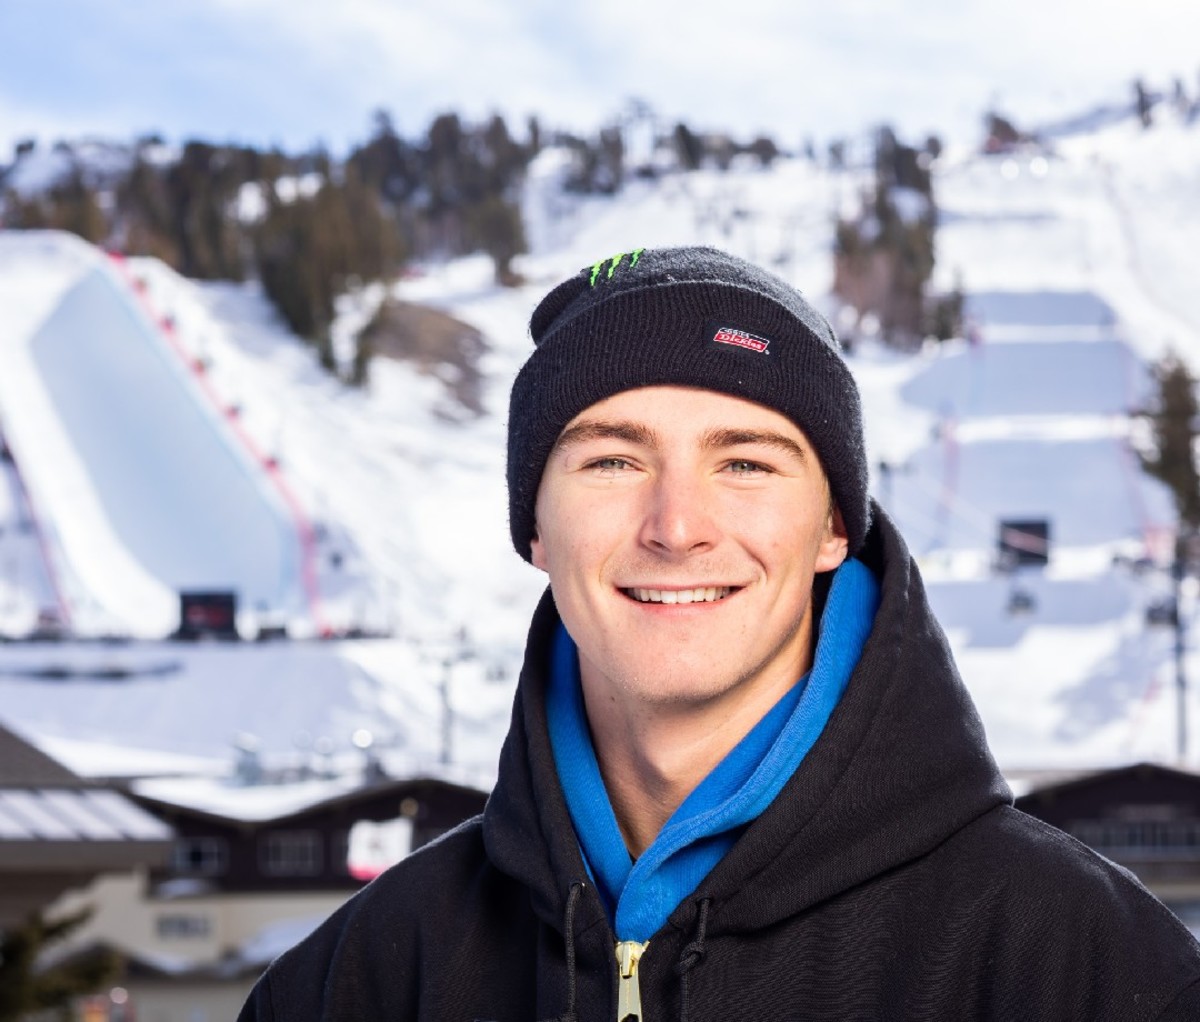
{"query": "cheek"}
[(574, 538), (784, 538), (548, 518), (778, 528)]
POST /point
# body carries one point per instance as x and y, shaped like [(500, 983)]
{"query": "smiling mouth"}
[(703, 594)]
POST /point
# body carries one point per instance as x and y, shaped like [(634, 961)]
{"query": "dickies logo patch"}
[(740, 339)]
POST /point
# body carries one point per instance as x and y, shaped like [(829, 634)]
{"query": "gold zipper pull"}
[(629, 992)]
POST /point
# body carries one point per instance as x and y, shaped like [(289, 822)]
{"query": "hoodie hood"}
[(902, 765), (887, 879)]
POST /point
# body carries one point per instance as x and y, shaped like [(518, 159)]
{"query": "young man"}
[(743, 778)]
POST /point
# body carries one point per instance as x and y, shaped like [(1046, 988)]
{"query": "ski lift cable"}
[(937, 522), (979, 522), (917, 513), (977, 518), (958, 505), (1148, 527)]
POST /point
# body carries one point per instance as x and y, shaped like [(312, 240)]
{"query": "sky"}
[(295, 73)]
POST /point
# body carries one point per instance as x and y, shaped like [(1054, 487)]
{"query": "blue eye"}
[(609, 464)]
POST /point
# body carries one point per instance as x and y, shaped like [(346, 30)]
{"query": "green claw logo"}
[(613, 263)]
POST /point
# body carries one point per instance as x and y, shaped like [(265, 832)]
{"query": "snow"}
[(251, 203), (250, 206), (290, 188), (250, 804), (1077, 270), (43, 168), (911, 205), (38, 171), (124, 488)]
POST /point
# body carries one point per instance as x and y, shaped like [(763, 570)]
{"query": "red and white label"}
[(740, 339)]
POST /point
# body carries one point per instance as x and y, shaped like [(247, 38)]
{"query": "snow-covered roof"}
[(265, 802), (57, 814), (49, 817)]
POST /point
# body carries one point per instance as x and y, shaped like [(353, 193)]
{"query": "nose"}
[(679, 518)]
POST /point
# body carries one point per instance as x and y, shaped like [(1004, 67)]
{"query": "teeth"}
[(702, 595)]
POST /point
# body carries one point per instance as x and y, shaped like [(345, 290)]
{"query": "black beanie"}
[(692, 317)]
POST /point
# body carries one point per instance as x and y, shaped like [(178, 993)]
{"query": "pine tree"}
[(387, 164), (144, 225), (1173, 422), (313, 248), (689, 150), (764, 149), (503, 158), (26, 988), (884, 257), (287, 266), (1143, 103), (497, 226), (202, 188), (78, 211), (69, 206)]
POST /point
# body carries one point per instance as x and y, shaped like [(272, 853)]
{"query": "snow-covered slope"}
[(1076, 267), (135, 481)]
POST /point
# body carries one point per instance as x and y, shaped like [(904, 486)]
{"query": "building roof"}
[(270, 804), (1139, 772), (69, 814), (22, 765), (52, 820)]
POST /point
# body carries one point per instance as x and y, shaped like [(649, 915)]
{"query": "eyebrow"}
[(600, 429), (643, 436), (716, 439)]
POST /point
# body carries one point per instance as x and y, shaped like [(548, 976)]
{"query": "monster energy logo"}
[(613, 263)]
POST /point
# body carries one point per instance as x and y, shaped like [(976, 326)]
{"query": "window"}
[(1141, 839), (178, 926), (200, 856), (291, 853), (339, 852)]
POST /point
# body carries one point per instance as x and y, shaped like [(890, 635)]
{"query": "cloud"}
[(297, 71)]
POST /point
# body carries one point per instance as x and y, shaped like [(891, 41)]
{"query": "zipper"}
[(629, 991)]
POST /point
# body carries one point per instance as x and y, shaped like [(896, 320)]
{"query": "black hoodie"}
[(890, 879)]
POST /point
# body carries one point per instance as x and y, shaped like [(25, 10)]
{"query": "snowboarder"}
[(743, 778)]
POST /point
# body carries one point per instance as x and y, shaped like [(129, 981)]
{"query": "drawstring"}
[(691, 956), (569, 939)]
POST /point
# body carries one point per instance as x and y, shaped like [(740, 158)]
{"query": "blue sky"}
[(296, 72)]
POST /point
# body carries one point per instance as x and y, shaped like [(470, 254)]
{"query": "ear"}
[(537, 551), (835, 544)]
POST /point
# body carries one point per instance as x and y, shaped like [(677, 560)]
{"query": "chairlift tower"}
[(1179, 569), (460, 652), (1167, 612)]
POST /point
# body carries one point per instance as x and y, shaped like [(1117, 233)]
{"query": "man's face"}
[(681, 530)]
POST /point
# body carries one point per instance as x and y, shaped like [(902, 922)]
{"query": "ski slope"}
[(28, 594), (138, 489), (1078, 273)]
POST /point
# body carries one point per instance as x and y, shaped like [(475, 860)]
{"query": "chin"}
[(677, 686)]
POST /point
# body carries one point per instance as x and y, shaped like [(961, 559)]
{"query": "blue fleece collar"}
[(640, 896)]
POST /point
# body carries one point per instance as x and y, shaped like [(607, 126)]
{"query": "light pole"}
[(447, 713), (1169, 612), (1178, 569), (456, 655), (888, 470)]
